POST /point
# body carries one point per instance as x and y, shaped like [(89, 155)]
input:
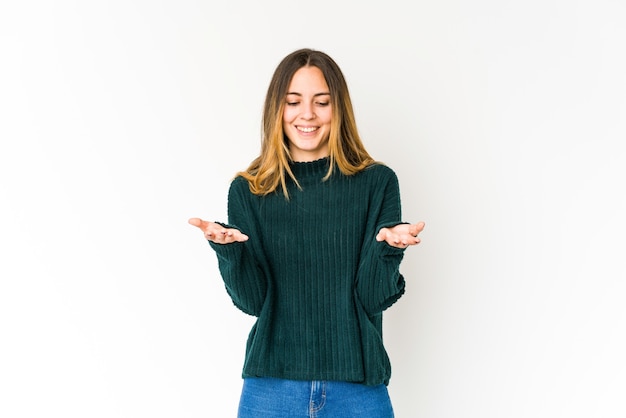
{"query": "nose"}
[(308, 112)]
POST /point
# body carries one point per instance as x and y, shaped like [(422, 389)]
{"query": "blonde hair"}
[(270, 169)]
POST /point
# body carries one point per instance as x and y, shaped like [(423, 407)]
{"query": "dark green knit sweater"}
[(314, 274)]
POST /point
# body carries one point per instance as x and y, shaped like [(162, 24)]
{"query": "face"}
[(307, 114)]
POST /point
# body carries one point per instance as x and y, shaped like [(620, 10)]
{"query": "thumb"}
[(197, 222), (381, 234)]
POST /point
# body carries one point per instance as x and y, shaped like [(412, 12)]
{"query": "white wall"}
[(120, 120)]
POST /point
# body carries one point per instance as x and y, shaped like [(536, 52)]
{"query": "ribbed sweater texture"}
[(314, 275)]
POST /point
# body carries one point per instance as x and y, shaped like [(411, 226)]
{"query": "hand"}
[(216, 233), (401, 235)]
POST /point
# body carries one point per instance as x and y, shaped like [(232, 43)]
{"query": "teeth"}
[(307, 129)]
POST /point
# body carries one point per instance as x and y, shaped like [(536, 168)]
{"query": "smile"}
[(306, 130)]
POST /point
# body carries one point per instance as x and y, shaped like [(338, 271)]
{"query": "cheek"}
[(328, 112), (328, 116), (288, 116)]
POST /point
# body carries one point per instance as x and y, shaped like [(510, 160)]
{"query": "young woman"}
[(312, 248)]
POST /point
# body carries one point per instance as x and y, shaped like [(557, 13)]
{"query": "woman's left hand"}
[(401, 235)]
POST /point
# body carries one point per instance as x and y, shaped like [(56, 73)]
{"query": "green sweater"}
[(314, 274)]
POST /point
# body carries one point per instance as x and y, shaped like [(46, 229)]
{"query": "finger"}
[(235, 235), (197, 222), (409, 239), (226, 236), (382, 235), (416, 229), (212, 233), (221, 235), (414, 240)]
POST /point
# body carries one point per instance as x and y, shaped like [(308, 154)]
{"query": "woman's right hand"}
[(216, 233)]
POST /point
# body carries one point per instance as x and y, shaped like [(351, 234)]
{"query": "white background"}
[(504, 120)]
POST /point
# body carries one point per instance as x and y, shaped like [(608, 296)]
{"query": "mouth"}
[(307, 129)]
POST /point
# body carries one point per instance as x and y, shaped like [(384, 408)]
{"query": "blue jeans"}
[(279, 398)]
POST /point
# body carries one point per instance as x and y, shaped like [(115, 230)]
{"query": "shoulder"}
[(238, 181), (381, 168), (379, 172), (239, 187)]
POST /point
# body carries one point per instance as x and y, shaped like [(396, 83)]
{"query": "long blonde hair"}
[(270, 169)]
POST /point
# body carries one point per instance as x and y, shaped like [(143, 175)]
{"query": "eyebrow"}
[(299, 94)]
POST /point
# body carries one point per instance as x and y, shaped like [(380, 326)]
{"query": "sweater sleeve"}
[(379, 283), (239, 262)]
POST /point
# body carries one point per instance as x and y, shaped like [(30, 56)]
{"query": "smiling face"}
[(307, 115)]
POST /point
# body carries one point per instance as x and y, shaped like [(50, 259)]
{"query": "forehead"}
[(308, 79)]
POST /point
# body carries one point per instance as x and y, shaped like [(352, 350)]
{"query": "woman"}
[(312, 248)]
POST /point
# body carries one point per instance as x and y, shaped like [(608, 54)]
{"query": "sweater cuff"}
[(386, 250), (227, 251), (390, 224)]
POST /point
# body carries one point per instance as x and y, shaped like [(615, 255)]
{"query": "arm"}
[(379, 283), (238, 251)]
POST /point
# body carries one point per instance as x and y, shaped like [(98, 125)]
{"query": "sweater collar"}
[(308, 169)]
